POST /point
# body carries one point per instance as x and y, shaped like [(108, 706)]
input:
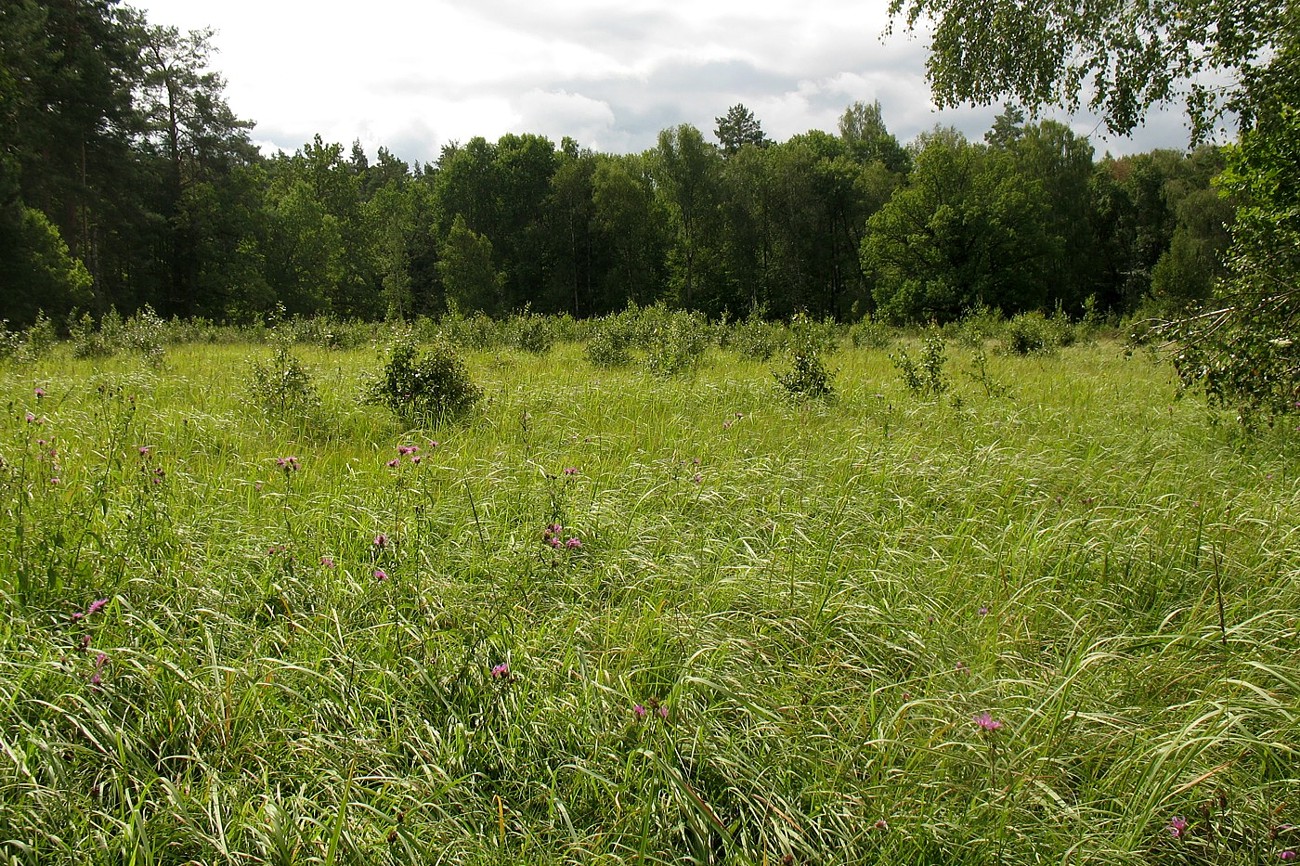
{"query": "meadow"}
[(1051, 615)]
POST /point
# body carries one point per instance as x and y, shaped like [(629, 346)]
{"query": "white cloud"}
[(413, 75)]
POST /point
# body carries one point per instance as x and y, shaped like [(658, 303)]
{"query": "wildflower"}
[(433, 443), (571, 470), (1288, 854), (392, 464), (697, 478), (56, 480), (40, 392), (501, 671), (416, 459), (663, 712), (380, 574), (85, 642), (404, 450), (555, 543), (986, 721), (327, 561), (573, 544), (144, 450), (638, 711), (881, 824), (381, 541), (962, 668), (1177, 826), (31, 419), (96, 606), (288, 464), (984, 610)]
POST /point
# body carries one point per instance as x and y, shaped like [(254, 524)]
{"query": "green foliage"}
[(755, 337), (807, 376), (675, 342), (926, 377), (424, 389), (1033, 333), (1126, 58), (870, 333), (469, 277), (283, 388), (37, 270), (530, 332), (967, 228)]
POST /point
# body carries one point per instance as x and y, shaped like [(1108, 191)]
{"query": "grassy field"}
[(612, 618)]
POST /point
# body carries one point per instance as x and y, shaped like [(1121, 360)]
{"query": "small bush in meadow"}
[(978, 326), (1033, 333), (529, 332), (755, 337), (926, 377), (807, 376), (676, 342), (424, 388), (611, 341), (868, 333), (283, 388)]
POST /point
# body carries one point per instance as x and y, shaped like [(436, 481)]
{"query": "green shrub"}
[(808, 376), (868, 333), (925, 378), (529, 332), (675, 343), (283, 388), (425, 389)]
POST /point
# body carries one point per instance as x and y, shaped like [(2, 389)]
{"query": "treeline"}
[(126, 181)]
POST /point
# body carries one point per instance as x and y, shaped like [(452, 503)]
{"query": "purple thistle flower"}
[(392, 464), (984, 610), (573, 544), (96, 679), (404, 450), (85, 643), (381, 575), (1288, 854), (638, 711), (1177, 826), (381, 541), (986, 721), (100, 660), (327, 561), (416, 459), (555, 543), (663, 711), (571, 470), (40, 392), (144, 450), (96, 606), (501, 671)]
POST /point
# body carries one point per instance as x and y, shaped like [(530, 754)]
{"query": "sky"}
[(415, 75)]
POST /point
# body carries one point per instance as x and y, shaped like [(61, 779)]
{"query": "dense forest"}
[(127, 180)]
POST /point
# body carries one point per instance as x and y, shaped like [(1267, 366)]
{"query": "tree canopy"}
[(1121, 56)]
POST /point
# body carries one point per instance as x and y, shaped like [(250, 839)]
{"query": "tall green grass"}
[(771, 643)]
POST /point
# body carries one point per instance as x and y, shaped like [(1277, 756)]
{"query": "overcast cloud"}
[(413, 75)]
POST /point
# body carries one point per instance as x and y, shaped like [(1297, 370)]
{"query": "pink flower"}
[(1288, 854), (663, 712), (571, 470), (986, 721), (40, 392), (380, 574), (416, 459), (288, 464), (327, 561), (1177, 826), (381, 541), (392, 464), (573, 544), (501, 671), (31, 419), (96, 606), (638, 711), (984, 611), (404, 450), (144, 450)]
